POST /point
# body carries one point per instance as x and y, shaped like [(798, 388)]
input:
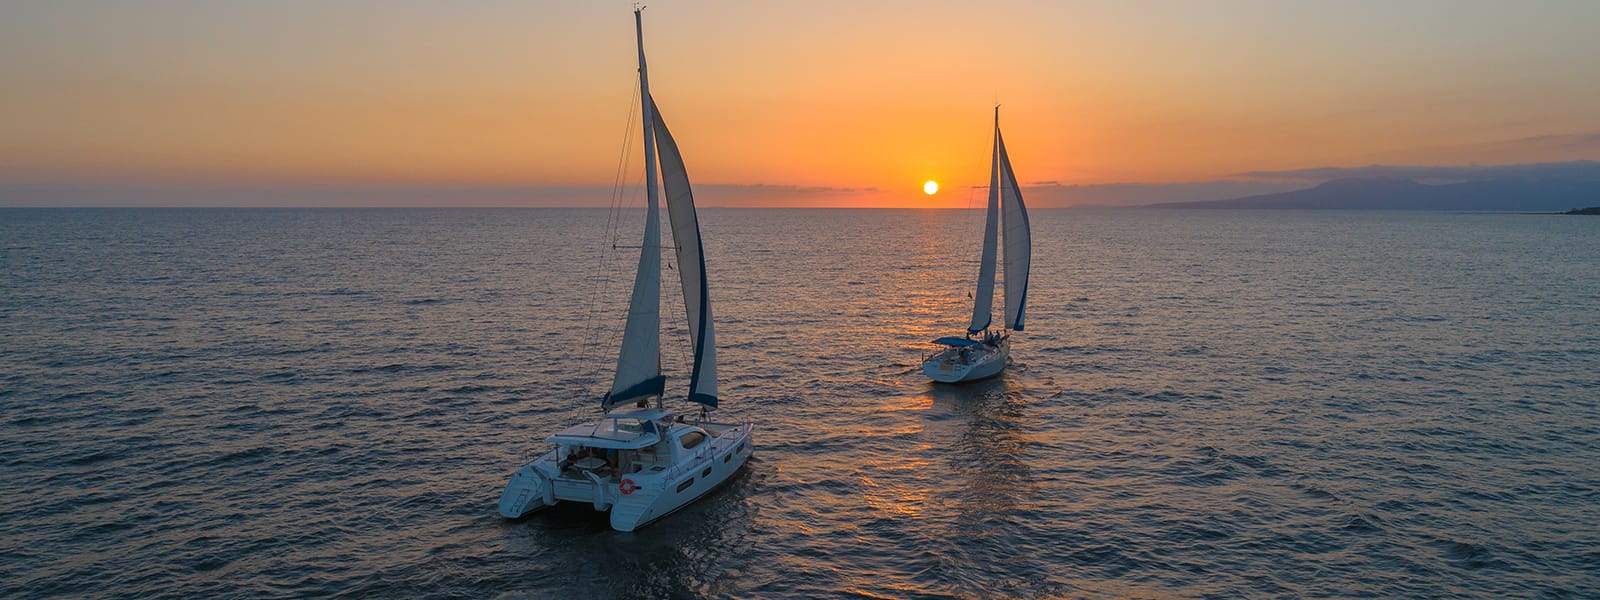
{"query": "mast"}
[(639, 360), (1018, 235), (983, 299)]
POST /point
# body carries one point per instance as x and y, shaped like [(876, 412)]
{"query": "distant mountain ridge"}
[(1399, 193)]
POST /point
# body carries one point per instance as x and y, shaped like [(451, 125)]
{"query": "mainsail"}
[(639, 361), (1019, 246), (691, 264)]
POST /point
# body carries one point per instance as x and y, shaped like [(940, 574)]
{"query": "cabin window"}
[(686, 483), (692, 439), (727, 457), (742, 447), (706, 473)]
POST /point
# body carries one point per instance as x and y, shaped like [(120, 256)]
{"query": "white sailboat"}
[(984, 350), (637, 461)]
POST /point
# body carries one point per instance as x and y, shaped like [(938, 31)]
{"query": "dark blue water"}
[(245, 403)]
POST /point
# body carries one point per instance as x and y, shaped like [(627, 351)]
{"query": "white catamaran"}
[(983, 351), (642, 462)]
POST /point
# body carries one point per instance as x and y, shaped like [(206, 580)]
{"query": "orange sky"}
[(813, 94)]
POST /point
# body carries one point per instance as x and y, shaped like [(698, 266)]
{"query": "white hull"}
[(656, 491), (952, 366)]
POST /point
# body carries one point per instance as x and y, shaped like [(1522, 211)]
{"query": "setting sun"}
[(931, 187)]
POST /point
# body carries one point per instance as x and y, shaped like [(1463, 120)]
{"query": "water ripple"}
[(238, 403)]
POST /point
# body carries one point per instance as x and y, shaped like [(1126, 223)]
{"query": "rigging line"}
[(628, 199), (623, 162), (613, 212), (606, 259), (972, 190), (610, 345), (976, 232), (975, 229)]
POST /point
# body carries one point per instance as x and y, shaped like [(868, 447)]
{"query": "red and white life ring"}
[(627, 487)]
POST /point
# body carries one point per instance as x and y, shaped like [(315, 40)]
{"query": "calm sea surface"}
[(247, 403)]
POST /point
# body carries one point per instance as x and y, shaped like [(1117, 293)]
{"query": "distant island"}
[(1398, 193), (1593, 210)]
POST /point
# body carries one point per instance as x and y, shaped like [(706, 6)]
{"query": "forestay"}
[(983, 299)]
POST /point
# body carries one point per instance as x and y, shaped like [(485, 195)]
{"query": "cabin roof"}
[(645, 414), (605, 434)]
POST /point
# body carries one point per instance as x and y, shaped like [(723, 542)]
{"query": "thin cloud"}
[(1055, 195), (1589, 142), (767, 188), (297, 195), (1578, 170), (763, 195)]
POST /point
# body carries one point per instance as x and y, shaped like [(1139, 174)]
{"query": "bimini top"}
[(955, 341), (614, 432)]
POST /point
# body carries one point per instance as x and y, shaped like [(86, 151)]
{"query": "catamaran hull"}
[(530, 489), (660, 496), (942, 369), (652, 495)]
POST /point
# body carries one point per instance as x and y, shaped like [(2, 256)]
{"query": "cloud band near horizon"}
[(1043, 194)]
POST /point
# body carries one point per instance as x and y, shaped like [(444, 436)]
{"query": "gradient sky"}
[(816, 97)]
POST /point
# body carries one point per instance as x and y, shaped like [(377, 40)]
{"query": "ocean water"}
[(265, 403)]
